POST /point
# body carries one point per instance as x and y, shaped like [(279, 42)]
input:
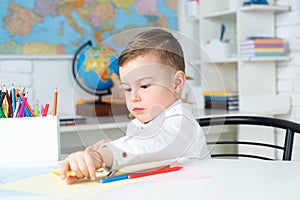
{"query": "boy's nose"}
[(135, 97)]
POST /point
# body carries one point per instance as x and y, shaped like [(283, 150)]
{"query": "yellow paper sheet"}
[(52, 185)]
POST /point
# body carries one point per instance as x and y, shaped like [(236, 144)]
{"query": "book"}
[(262, 37), (220, 98), (250, 55), (225, 93), (262, 50), (262, 41), (220, 106), (70, 120), (250, 46), (228, 103)]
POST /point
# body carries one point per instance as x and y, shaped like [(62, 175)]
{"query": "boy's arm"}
[(97, 145), (107, 155), (104, 154)]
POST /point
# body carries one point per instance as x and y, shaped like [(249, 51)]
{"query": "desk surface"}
[(227, 179), (222, 179)]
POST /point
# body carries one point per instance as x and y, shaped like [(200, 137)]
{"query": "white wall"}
[(288, 73), (40, 76)]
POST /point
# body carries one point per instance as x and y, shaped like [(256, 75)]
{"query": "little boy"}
[(152, 75)]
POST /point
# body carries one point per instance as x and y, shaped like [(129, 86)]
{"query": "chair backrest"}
[(290, 127)]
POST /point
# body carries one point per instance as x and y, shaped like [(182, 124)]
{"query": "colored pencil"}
[(154, 172), (2, 96), (17, 109), (13, 98), (55, 102), (36, 109), (9, 114), (27, 104), (21, 111), (2, 115), (45, 110), (69, 173), (140, 174)]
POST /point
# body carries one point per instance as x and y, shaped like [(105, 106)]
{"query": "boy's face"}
[(149, 86)]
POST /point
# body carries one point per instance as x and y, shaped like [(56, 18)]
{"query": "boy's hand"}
[(83, 163)]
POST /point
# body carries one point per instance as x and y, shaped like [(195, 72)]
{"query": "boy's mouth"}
[(138, 109)]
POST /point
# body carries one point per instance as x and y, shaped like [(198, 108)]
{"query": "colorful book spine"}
[(262, 47), (262, 50), (227, 100), (263, 41), (272, 54), (226, 93), (220, 98), (249, 46)]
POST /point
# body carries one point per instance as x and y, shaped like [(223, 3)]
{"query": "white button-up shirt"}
[(173, 134)]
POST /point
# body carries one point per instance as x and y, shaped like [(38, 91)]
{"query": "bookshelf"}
[(252, 77), (222, 67)]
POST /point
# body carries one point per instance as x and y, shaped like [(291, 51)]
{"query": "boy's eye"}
[(145, 86), (127, 89)]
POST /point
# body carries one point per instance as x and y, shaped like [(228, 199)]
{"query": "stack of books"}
[(227, 100), (262, 47)]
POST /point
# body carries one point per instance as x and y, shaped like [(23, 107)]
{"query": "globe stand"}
[(104, 106)]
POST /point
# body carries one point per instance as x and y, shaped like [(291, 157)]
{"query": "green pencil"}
[(2, 115)]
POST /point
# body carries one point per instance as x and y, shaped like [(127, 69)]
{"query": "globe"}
[(94, 67)]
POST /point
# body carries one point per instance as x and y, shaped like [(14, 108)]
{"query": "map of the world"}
[(59, 27)]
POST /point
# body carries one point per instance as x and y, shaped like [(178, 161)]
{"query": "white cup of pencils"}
[(14, 104)]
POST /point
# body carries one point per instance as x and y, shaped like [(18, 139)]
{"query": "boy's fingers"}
[(65, 167), (91, 167), (71, 179), (83, 167), (74, 167)]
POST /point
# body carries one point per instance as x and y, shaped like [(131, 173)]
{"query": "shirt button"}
[(124, 154)]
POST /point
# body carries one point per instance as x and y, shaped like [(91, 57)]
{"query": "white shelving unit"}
[(223, 68), (252, 77)]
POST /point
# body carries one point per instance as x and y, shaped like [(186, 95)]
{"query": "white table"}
[(224, 179), (229, 179)]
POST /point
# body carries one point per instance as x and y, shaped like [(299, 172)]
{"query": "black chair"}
[(290, 127)]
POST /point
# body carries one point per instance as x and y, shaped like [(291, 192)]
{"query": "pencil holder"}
[(29, 139), (218, 50)]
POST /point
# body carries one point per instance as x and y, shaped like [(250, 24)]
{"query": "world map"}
[(59, 27)]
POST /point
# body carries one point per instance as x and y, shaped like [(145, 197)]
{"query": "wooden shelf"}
[(264, 8)]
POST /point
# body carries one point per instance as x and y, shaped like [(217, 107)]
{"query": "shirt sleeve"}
[(175, 137)]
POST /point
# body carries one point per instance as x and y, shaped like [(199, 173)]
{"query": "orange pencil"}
[(55, 102)]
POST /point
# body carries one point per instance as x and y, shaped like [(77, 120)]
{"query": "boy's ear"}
[(179, 81)]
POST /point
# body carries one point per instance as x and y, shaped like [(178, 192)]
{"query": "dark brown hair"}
[(157, 42)]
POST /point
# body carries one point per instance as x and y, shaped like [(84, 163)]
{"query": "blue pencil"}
[(114, 178), (13, 98)]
